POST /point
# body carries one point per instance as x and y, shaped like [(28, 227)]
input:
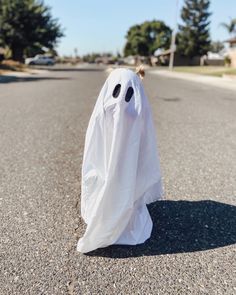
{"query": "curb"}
[(225, 82)]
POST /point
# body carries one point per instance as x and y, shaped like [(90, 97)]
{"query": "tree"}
[(146, 38), (193, 38), (217, 46), (27, 25), (91, 57), (230, 27)]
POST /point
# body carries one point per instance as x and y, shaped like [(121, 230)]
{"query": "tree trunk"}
[(17, 53)]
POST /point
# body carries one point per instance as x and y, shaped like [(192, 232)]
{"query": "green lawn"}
[(207, 70)]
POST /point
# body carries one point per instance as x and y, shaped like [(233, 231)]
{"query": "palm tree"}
[(230, 27)]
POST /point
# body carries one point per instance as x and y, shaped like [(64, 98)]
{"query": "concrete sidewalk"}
[(7, 76), (225, 82)]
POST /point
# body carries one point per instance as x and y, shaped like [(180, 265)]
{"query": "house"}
[(130, 60), (214, 58), (104, 59), (232, 51), (163, 57)]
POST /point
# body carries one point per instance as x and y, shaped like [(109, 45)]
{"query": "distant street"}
[(43, 120)]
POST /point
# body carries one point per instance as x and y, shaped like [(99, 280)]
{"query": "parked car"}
[(40, 60)]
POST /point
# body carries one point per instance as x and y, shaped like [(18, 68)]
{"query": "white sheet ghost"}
[(120, 170)]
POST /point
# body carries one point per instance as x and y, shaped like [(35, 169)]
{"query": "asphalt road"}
[(43, 119)]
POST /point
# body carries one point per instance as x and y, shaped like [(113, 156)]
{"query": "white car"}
[(40, 60)]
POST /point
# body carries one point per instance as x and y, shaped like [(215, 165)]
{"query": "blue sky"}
[(100, 26)]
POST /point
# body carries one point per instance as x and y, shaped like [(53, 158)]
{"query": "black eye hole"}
[(116, 91), (129, 94)]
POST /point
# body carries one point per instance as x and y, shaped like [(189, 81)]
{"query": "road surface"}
[(43, 119)]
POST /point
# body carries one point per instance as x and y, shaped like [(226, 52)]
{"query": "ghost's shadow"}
[(182, 226)]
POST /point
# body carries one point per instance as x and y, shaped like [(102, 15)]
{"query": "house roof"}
[(232, 40), (165, 52)]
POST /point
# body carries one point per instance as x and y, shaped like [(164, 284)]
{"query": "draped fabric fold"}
[(120, 170)]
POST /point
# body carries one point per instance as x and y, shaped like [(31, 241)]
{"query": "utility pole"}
[(76, 53), (173, 38)]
